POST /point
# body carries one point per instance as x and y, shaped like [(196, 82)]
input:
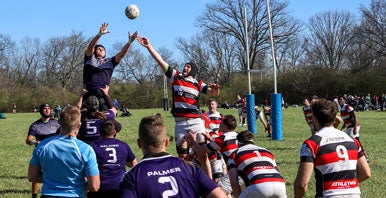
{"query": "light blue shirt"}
[(65, 162)]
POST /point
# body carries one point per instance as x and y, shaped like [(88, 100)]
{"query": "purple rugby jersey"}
[(97, 72), (112, 155), (89, 129), (165, 175)]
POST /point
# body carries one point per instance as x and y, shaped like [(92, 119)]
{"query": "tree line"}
[(334, 53)]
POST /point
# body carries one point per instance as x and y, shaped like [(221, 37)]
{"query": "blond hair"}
[(152, 131), (69, 119)]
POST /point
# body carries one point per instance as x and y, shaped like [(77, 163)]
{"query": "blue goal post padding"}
[(251, 115), (276, 117)]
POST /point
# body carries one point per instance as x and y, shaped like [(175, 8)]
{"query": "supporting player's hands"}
[(105, 90), (133, 37), (143, 41), (84, 91), (207, 136), (190, 138), (103, 29)]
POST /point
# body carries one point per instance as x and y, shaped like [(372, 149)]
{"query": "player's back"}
[(166, 175)]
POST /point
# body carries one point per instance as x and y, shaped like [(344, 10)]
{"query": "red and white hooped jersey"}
[(335, 155), (186, 93), (215, 120), (345, 113), (307, 110), (257, 163), (226, 144)]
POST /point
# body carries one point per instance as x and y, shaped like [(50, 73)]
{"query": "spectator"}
[(58, 109), (240, 103)]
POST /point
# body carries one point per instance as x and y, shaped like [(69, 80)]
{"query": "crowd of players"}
[(79, 156)]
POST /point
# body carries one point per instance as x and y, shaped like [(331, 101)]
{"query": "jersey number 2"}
[(173, 184)]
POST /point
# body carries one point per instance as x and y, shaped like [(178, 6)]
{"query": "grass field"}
[(15, 154)]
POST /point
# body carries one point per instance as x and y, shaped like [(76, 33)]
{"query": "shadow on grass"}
[(14, 191), (12, 177)]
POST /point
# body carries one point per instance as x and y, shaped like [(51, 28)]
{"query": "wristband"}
[(33, 142)]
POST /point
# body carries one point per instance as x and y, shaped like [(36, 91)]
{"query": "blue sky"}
[(162, 21)]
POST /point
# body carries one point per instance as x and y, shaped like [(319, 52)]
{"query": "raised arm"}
[(80, 100), (157, 57), (94, 41), (126, 47), (108, 99)]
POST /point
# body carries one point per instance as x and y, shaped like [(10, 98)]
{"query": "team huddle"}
[(79, 156)]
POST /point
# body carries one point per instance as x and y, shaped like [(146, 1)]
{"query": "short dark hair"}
[(245, 137), (96, 46), (324, 111), (229, 121), (107, 128)]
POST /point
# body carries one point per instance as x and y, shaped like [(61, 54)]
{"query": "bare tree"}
[(373, 27), (214, 53), (63, 61), (289, 55), (331, 34), (25, 61), (6, 48), (136, 67), (227, 17)]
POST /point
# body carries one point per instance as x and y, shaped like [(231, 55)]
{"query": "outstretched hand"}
[(133, 37), (214, 89), (103, 29), (143, 41), (214, 86)]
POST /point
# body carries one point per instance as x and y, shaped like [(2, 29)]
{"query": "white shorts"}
[(225, 184), (217, 166), (266, 189), (350, 131), (195, 125)]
